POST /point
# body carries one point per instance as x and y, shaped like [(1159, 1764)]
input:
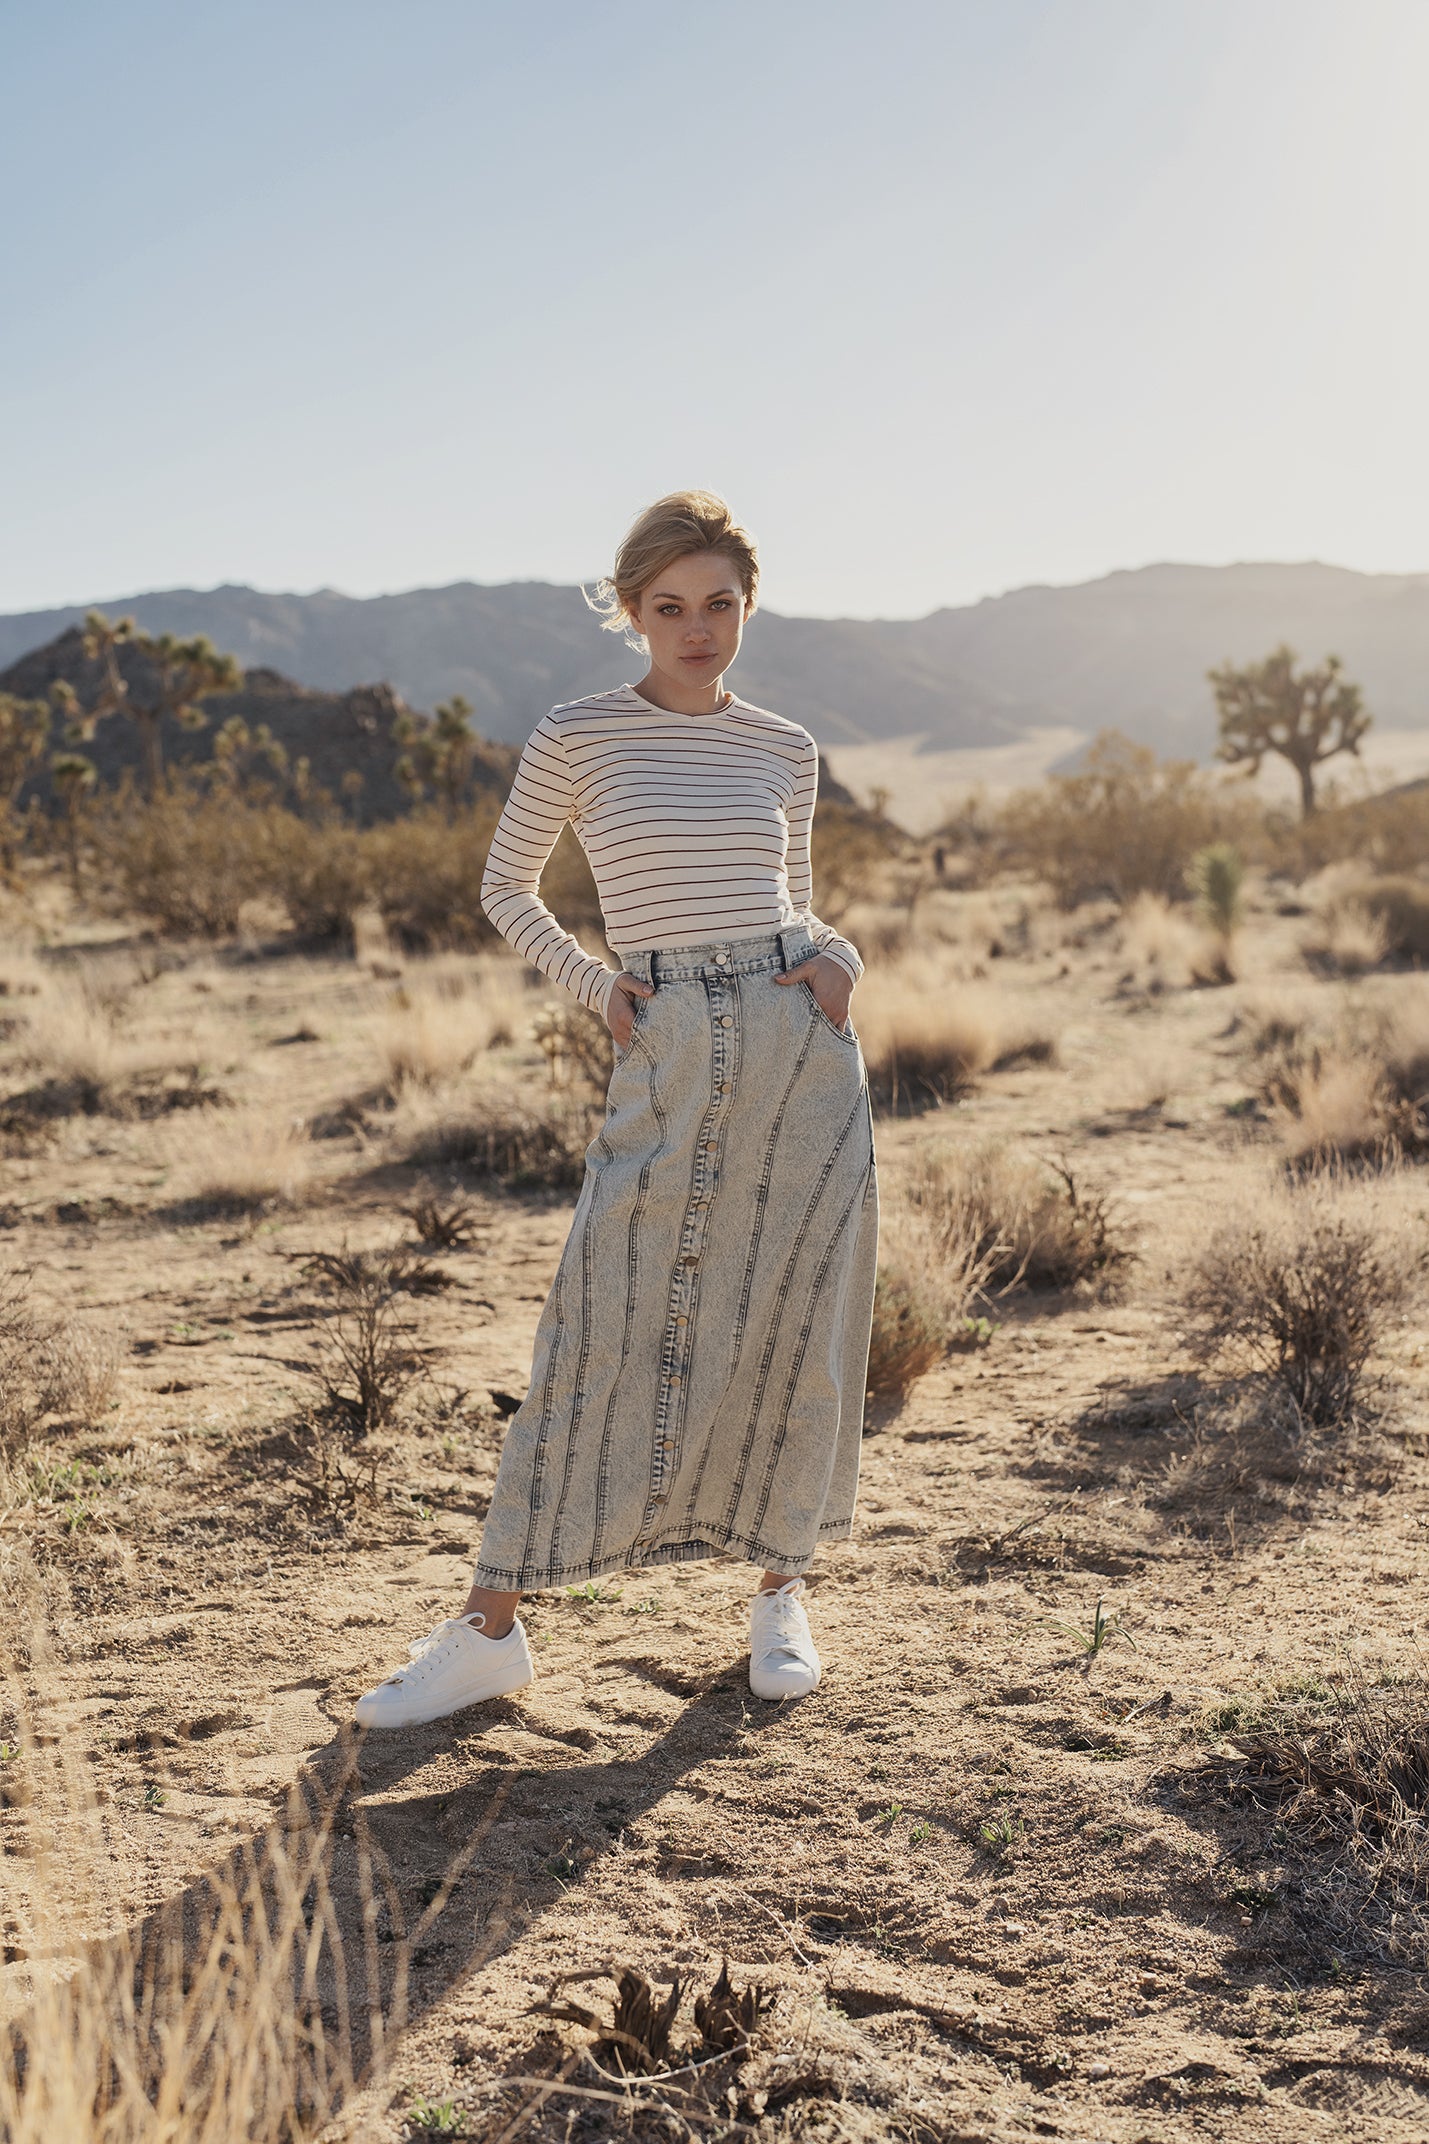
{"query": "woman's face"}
[(692, 615)]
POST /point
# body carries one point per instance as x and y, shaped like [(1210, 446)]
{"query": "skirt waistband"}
[(771, 950)]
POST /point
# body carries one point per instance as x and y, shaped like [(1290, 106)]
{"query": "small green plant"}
[(1105, 1628), (154, 1796), (436, 2118), (1254, 1900), (1001, 1834), (594, 1594), (1218, 874), (645, 1608), (921, 1833), (972, 1334), (890, 1815), (9, 1751)]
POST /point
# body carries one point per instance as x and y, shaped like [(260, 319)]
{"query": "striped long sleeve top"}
[(696, 827)]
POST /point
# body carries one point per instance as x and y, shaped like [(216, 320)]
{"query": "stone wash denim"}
[(698, 1375)]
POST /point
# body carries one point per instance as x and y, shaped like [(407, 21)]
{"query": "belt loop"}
[(795, 943), (641, 964)]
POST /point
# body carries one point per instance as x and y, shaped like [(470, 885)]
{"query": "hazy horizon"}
[(948, 303)]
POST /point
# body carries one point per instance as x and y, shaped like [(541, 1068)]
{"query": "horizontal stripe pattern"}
[(696, 827)]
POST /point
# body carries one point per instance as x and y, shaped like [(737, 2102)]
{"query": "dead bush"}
[(49, 1364), (368, 1360), (577, 1044), (1332, 1774), (1351, 1087), (426, 876), (443, 1218), (1300, 1291), (527, 1140), (1030, 1224)]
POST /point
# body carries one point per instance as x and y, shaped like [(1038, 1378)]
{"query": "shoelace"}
[(422, 1650), (782, 1623)]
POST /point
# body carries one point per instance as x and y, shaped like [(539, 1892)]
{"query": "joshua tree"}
[(179, 674), (74, 776), (1306, 719), (439, 751), (24, 733)]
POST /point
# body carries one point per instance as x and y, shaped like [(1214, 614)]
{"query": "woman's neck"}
[(690, 700)]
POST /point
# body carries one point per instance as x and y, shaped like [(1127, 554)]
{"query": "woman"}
[(698, 1375)]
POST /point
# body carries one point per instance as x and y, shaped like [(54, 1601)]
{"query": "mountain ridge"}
[(1128, 650)]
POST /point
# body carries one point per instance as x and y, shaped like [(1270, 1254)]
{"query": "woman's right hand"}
[(620, 1009)]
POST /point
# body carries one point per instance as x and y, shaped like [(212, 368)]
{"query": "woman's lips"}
[(697, 658)]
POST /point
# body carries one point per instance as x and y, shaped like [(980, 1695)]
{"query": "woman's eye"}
[(720, 603), (669, 610)]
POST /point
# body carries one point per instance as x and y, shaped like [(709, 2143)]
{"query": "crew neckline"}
[(656, 709)]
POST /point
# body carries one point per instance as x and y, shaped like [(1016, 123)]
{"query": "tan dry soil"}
[(1096, 1979)]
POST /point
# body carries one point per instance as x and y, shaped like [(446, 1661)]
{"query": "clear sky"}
[(945, 295)]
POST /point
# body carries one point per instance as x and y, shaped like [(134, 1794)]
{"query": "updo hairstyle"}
[(681, 522)]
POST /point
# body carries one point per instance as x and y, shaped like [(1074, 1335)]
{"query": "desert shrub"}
[(931, 1283), (186, 860), (576, 1044), (367, 1360), (48, 1364), (1028, 1225), (319, 870), (1299, 1291), (925, 1043), (1388, 833), (907, 1335), (426, 876), (527, 1139), (1353, 1087), (1400, 906), (1332, 1771), (1124, 823), (1345, 940), (1159, 944)]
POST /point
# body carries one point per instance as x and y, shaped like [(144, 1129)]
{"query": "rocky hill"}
[(1129, 651), (346, 737)]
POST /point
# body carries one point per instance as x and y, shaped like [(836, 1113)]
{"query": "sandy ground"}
[(973, 1872)]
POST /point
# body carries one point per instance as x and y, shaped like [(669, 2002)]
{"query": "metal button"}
[(682, 1319), (673, 1381), (723, 959), (667, 1447), (726, 1019)]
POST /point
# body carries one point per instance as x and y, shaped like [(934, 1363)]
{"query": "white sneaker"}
[(782, 1659), (453, 1666)]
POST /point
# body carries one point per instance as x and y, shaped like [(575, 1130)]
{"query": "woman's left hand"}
[(829, 982)]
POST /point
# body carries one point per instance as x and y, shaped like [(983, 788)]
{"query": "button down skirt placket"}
[(698, 1375)]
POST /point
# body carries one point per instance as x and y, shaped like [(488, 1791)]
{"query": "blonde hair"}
[(681, 522)]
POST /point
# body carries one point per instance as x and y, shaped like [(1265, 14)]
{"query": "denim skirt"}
[(698, 1376)]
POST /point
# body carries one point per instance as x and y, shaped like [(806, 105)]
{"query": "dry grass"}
[(925, 1041), (1333, 1772), (527, 1138), (239, 1160), (1300, 1289), (428, 1038), (49, 1365), (89, 1061), (1350, 1085), (1159, 943), (931, 1285), (1027, 1224)]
